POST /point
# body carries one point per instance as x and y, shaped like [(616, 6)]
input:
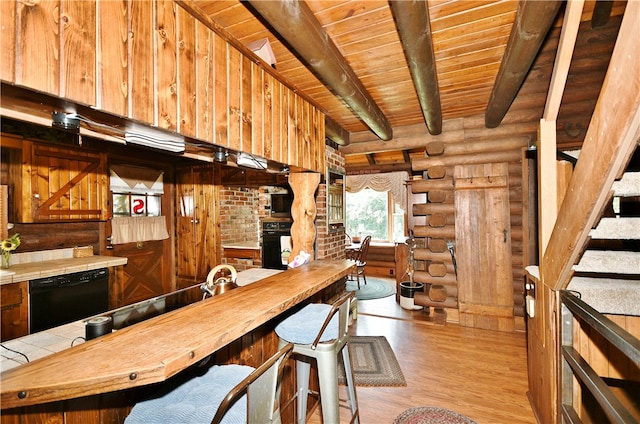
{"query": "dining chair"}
[(361, 261)]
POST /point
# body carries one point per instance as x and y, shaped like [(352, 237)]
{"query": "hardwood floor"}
[(478, 373)]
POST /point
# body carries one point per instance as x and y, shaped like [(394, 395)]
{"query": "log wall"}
[(476, 145)]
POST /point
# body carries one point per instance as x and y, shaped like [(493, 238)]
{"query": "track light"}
[(66, 121), (220, 156), (137, 135)]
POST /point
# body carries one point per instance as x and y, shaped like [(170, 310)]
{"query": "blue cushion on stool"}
[(303, 326), (196, 400)]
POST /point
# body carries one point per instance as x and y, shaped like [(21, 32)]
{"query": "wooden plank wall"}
[(609, 363), (155, 62)]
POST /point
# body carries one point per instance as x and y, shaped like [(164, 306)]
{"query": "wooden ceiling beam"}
[(533, 21), (601, 13), (368, 169), (371, 159), (335, 132), (414, 27), (298, 26)]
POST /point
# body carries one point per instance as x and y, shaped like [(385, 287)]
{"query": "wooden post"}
[(547, 180), (303, 211)]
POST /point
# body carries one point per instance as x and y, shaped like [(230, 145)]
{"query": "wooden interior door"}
[(146, 274), (197, 224), (483, 246)]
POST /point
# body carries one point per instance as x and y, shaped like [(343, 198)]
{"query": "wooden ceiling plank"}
[(299, 27), (457, 43), (568, 36), (533, 21), (412, 20)]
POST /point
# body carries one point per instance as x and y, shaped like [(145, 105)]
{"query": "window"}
[(374, 213), (127, 204), (136, 191)]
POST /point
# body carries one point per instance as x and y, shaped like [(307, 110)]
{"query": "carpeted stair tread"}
[(609, 261), (617, 229), (628, 185), (609, 295)]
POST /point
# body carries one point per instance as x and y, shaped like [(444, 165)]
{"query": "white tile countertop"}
[(38, 345), (242, 245), (49, 263)]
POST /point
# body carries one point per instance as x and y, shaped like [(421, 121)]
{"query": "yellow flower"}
[(10, 244)]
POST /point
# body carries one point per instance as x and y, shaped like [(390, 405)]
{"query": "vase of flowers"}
[(8, 246)]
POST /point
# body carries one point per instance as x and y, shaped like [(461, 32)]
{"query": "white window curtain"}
[(135, 229), (391, 181)]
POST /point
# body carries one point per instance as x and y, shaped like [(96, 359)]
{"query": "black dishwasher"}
[(58, 300)]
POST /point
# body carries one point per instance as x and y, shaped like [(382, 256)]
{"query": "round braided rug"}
[(375, 288), (431, 415)]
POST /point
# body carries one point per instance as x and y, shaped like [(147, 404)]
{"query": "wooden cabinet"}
[(56, 184), (232, 176), (335, 199), (157, 63), (198, 249), (14, 313)]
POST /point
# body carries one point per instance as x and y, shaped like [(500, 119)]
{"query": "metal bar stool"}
[(320, 331), (223, 394)]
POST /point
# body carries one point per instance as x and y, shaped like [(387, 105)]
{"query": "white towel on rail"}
[(285, 249)]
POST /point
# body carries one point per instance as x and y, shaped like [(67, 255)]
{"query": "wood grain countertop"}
[(156, 349)]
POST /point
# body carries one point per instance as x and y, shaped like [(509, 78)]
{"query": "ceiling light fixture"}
[(160, 141), (140, 136), (220, 155), (251, 161), (66, 121)]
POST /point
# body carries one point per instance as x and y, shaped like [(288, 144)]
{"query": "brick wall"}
[(329, 243), (240, 209)]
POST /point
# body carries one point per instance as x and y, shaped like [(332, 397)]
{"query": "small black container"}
[(98, 326), (407, 290)]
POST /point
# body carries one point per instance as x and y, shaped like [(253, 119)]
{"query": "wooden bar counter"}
[(154, 350)]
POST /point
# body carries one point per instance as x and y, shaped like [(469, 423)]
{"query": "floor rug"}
[(431, 415), (375, 288), (373, 361)]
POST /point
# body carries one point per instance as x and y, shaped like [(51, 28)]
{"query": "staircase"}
[(607, 275)]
